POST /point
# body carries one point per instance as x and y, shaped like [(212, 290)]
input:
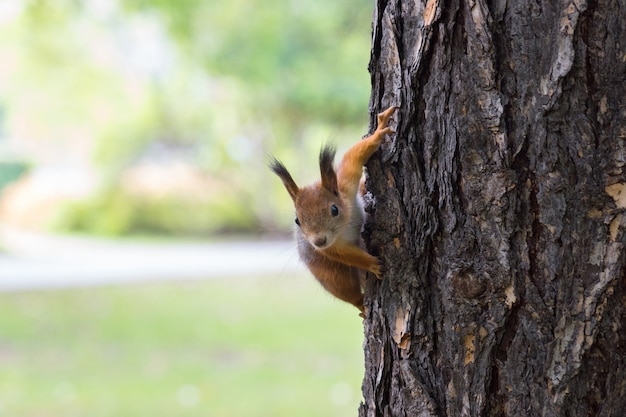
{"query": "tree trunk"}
[(498, 210)]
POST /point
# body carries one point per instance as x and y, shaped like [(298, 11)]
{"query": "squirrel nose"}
[(319, 241)]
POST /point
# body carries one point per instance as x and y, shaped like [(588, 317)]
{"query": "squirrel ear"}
[(280, 170), (327, 171)]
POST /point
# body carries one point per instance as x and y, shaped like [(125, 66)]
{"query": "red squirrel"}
[(329, 217)]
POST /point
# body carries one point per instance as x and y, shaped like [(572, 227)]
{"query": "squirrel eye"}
[(297, 221), (334, 211)]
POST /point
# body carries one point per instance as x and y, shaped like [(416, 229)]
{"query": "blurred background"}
[(134, 137), (156, 117)]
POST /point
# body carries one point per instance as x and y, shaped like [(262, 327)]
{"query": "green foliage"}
[(245, 348), (310, 55), (11, 171), (230, 81), (116, 212)]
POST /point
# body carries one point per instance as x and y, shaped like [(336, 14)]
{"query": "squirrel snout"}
[(320, 241)]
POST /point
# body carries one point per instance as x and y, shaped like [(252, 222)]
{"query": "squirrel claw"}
[(387, 131), (383, 119), (376, 270)]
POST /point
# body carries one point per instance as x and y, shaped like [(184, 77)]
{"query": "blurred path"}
[(32, 261)]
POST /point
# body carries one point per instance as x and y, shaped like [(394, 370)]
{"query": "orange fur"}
[(329, 215)]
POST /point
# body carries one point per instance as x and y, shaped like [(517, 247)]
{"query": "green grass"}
[(241, 347)]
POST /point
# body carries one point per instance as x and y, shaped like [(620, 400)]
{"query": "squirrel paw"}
[(376, 269), (383, 119)]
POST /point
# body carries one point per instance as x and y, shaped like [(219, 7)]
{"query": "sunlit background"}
[(145, 260)]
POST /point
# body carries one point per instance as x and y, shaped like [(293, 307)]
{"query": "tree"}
[(498, 210)]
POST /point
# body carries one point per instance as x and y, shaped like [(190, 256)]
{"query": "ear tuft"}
[(327, 170), (280, 170)]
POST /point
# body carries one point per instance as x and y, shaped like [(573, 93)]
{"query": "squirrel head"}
[(321, 212)]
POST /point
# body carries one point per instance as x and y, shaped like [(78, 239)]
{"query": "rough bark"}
[(498, 210)]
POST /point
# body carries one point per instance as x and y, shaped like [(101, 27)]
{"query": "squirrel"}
[(330, 214)]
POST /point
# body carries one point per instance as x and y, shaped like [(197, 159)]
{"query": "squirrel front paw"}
[(383, 119), (376, 269)]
